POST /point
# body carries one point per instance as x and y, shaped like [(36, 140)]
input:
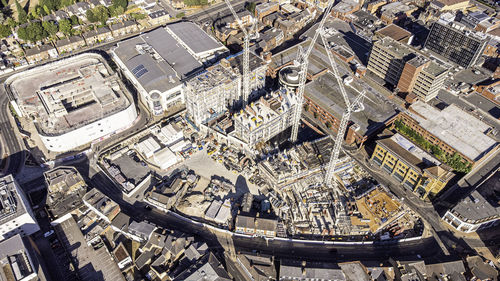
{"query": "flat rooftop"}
[(69, 94), (457, 128), (318, 60), (435, 69), (157, 60), (325, 92), (194, 38), (340, 33), (409, 152), (92, 264), (11, 204), (399, 49), (395, 32), (482, 203), (15, 260)]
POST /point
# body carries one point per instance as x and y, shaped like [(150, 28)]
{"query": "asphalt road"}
[(407, 250), (427, 248), (432, 212), (10, 141)]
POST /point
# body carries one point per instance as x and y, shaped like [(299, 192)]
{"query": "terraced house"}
[(414, 168)]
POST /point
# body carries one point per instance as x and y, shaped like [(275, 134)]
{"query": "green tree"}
[(50, 27), (115, 11), (33, 32), (46, 9), (120, 3), (65, 3), (251, 7), (22, 16), (11, 23), (65, 27), (5, 30), (52, 5), (98, 14), (5, 3), (138, 16), (74, 20), (90, 15)]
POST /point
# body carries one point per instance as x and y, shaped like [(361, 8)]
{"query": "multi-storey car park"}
[(72, 102)]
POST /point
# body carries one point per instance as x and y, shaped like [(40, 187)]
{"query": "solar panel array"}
[(139, 70)]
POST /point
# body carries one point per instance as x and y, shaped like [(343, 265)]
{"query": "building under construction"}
[(218, 89), (260, 121)]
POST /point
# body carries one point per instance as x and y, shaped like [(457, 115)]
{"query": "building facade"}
[(455, 43), (415, 169), (16, 215), (219, 88), (422, 77), (479, 210), (387, 59)]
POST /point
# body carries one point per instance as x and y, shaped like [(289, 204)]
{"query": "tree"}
[(22, 16), (74, 20), (138, 16), (50, 27), (65, 27), (32, 32), (251, 7), (11, 22), (115, 11), (120, 3), (49, 5), (98, 14), (65, 3), (90, 15), (5, 3), (5, 30), (46, 9)]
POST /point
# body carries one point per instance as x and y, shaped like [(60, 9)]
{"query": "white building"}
[(158, 61), (218, 89), (211, 92), (479, 210), (73, 102), (16, 216), (260, 121), (197, 42), (21, 260)]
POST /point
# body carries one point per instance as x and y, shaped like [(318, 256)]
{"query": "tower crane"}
[(303, 61), (246, 54), (356, 105), (342, 220)]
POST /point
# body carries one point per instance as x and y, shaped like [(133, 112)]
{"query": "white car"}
[(48, 233)]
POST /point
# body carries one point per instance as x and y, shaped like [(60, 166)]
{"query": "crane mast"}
[(246, 56), (303, 62)]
